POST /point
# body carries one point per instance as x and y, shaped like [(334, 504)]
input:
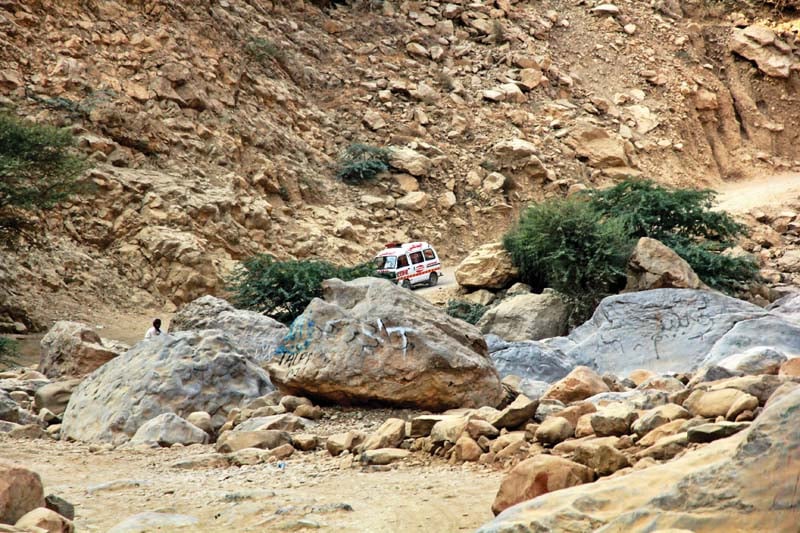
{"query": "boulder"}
[(9, 408), (658, 416), (554, 430), (599, 148), (790, 368), (414, 201), (252, 334), (758, 44), (672, 330), (711, 404), (202, 420), (466, 449), (602, 458), (410, 161), (72, 349), (283, 422), (579, 384), (527, 317), (613, 420), (233, 441), (20, 492), (383, 456), (181, 373), (389, 435), (530, 360), (55, 396), (167, 429), (46, 519), (537, 476), (756, 360), (488, 266), (742, 483), (516, 413), (340, 442), (781, 336), (712, 432), (654, 265), (370, 341)]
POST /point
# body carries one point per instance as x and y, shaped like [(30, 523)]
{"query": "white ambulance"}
[(411, 263)]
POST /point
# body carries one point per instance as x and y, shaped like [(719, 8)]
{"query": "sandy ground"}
[(771, 192), (311, 491)]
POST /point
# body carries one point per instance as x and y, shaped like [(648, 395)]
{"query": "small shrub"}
[(283, 289), (362, 162), (499, 35), (264, 50), (37, 170), (9, 350), (466, 311)]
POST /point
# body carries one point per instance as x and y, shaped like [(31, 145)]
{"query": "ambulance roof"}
[(398, 248)]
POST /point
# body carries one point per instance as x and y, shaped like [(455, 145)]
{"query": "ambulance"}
[(409, 264)]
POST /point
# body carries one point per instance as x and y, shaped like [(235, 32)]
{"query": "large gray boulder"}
[(72, 349), (527, 317), (254, 335), (672, 330), (787, 307), (370, 341), (530, 360), (181, 373), (747, 482)]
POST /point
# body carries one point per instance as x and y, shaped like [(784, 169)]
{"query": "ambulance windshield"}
[(386, 263)]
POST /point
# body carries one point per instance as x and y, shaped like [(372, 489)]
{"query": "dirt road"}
[(310, 492), (771, 192)]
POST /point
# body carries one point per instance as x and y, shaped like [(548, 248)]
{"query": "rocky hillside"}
[(215, 126)]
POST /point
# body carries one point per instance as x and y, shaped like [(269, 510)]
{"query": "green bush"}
[(580, 246), (9, 350), (567, 245), (37, 170), (283, 289), (362, 162), (682, 219), (466, 311)]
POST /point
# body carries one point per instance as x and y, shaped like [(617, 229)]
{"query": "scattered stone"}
[(579, 384), (654, 265), (72, 349), (527, 317), (383, 456), (20, 492), (167, 429), (602, 458), (389, 435), (232, 441), (537, 476), (712, 432), (553, 430)]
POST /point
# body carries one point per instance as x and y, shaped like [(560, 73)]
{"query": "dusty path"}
[(771, 192), (311, 492)]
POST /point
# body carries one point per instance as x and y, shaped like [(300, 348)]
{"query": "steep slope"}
[(215, 126)]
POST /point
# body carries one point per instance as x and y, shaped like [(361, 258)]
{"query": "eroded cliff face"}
[(216, 126)]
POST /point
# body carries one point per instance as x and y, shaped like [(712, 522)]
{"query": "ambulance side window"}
[(416, 257), (402, 261), (429, 255)]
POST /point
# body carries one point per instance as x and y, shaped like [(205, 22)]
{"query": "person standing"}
[(155, 331)]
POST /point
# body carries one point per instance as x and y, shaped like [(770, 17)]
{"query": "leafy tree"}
[(684, 220), (362, 162), (283, 289), (37, 170), (580, 246), (466, 311), (9, 350), (567, 245)]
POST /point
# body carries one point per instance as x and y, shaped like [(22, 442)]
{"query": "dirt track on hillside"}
[(771, 192)]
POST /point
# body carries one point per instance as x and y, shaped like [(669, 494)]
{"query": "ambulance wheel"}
[(406, 284), (433, 279)]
